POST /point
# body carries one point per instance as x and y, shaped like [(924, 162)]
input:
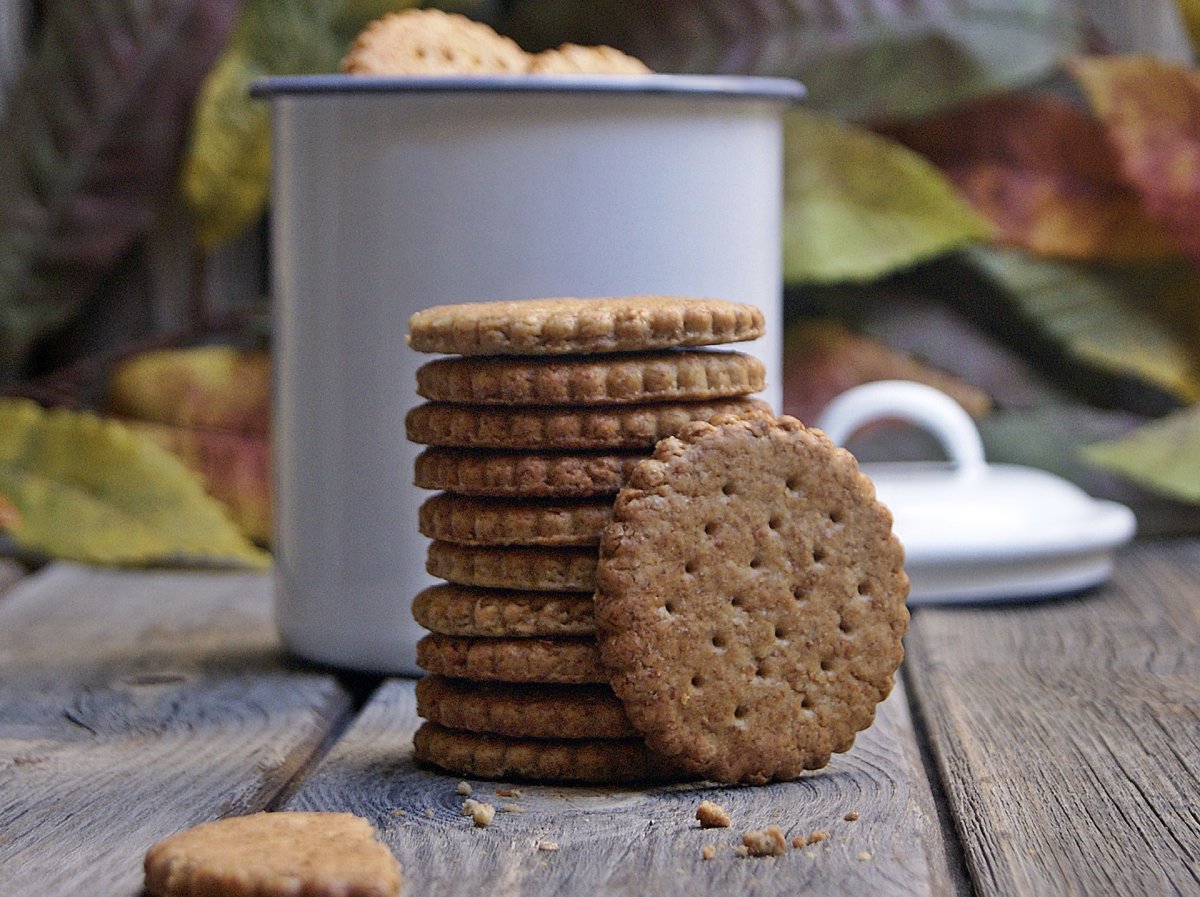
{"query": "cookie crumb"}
[(547, 845), (742, 850), (817, 837), (708, 851), (852, 816), (481, 813), (508, 792), (799, 841), (511, 808), (397, 812), (712, 815), (766, 842), (464, 788), (864, 856), (429, 812)]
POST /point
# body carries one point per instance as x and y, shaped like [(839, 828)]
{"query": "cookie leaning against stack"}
[(532, 427)]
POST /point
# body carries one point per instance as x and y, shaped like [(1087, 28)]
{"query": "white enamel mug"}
[(394, 194)]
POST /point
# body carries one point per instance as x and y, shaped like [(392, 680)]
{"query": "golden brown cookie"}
[(431, 42), (452, 609), (595, 761), (524, 474), (523, 711), (573, 59), (493, 521), (536, 569), (750, 599), (570, 661), (582, 326), (575, 428), (274, 855), (677, 375)]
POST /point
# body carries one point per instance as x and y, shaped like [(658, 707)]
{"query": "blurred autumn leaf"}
[(1044, 173), (88, 489), (868, 59), (1151, 109), (217, 386), (1142, 320), (89, 147), (227, 167), (210, 406), (1163, 456), (857, 206)]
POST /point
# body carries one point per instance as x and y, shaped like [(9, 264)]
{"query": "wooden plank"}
[(634, 841), (1068, 732), (134, 704)]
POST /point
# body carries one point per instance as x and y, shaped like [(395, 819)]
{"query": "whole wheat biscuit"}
[(431, 42), (594, 762), (490, 521), (678, 375), (572, 428), (581, 326), (523, 710), (566, 569), (569, 661), (452, 609), (274, 855), (750, 599), (573, 59), (524, 474)]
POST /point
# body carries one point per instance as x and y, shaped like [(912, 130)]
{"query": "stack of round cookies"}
[(648, 574), (532, 429)]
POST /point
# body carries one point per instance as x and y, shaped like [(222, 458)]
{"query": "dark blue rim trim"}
[(731, 86)]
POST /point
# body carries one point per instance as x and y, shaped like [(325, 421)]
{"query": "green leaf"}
[(227, 168), (1163, 456), (79, 487), (89, 149), (858, 206), (867, 59), (1138, 320)]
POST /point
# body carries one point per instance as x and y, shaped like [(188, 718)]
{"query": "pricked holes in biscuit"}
[(835, 516), (710, 528), (718, 641), (819, 554), (793, 483), (756, 562), (827, 663), (697, 681), (806, 703), (740, 712), (845, 625), (669, 607), (775, 522), (864, 588), (691, 566), (728, 489), (780, 634)]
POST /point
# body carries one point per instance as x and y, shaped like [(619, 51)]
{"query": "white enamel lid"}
[(974, 531)]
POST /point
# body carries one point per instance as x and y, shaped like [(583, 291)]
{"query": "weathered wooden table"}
[(1046, 748)]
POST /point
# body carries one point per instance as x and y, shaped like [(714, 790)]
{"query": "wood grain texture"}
[(1068, 732), (134, 704), (634, 841)]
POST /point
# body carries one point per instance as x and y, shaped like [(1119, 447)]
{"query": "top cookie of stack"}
[(532, 428)]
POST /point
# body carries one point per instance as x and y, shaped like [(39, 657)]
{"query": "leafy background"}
[(1000, 198)]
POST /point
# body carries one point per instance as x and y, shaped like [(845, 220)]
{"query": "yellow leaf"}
[(88, 489), (227, 167), (222, 387), (858, 206)]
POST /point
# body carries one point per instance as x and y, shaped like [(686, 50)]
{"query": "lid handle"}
[(929, 408)]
